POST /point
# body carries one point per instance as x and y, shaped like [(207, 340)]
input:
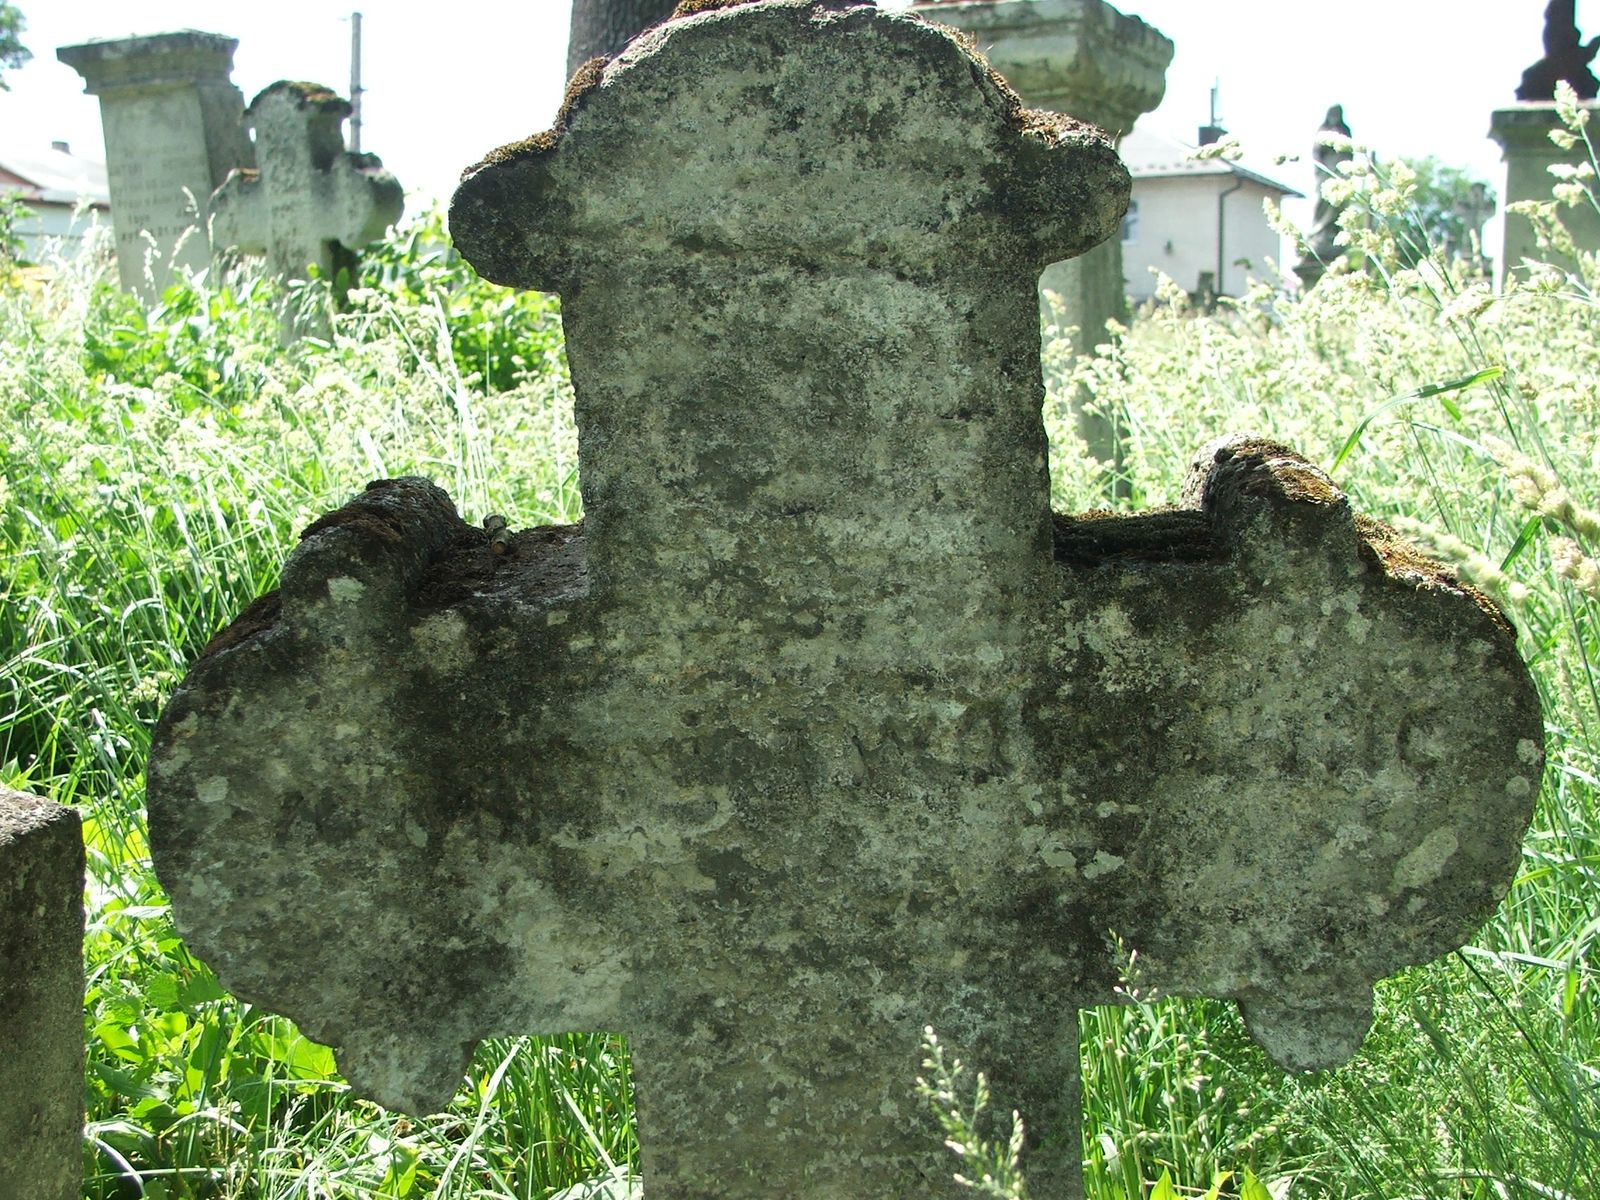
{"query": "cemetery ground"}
[(158, 467)]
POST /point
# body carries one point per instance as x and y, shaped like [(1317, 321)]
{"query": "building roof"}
[(1151, 155), (54, 176)]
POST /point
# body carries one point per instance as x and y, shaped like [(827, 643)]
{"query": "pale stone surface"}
[(822, 728), (41, 998), (1085, 58), (171, 118), (1523, 131), (1081, 57), (311, 202)]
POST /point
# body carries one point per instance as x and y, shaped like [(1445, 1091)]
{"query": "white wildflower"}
[(1471, 565), (1572, 564), (1338, 191), (1470, 303), (1572, 114)]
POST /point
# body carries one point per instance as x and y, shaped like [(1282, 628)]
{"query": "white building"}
[(64, 196), (1198, 222)]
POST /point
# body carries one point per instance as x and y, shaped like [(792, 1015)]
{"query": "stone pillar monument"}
[(1086, 59), (173, 130), (41, 998), (1329, 152), (1523, 131)]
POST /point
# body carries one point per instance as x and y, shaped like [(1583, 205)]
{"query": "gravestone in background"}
[(821, 727), (1523, 130), (1086, 59), (41, 999), (1566, 58), (176, 132), (311, 202), (171, 118), (1329, 153)]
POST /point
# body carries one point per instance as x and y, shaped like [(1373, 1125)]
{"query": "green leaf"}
[(127, 1084), (1422, 393), (401, 1176), (301, 1058), (1215, 1190), (1252, 1188), (1164, 1189), (161, 991), (1523, 539), (202, 989), (118, 1041)]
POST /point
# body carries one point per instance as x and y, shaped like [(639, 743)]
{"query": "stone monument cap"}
[(967, 163), (315, 96), (183, 56)]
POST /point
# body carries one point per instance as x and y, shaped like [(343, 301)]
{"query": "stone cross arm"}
[(1288, 758), (822, 727)]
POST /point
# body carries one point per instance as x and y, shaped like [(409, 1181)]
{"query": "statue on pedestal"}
[(1565, 57), (1332, 148)]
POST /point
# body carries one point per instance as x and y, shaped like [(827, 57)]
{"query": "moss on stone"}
[(584, 79)]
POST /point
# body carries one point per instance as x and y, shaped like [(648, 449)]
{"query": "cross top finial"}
[(808, 240), (699, 139)]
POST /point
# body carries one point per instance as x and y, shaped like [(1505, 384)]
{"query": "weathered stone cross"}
[(822, 727), (312, 202)]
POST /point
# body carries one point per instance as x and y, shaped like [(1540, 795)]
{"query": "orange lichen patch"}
[(1385, 549), (311, 93), (687, 8), (1286, 473), (1054, 126), (306, 95), (1302, 482)]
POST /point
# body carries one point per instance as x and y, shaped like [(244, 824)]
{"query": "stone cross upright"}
[(1086, 58), (1474, 209), (311, 202), (1329, 153), (821, 727)]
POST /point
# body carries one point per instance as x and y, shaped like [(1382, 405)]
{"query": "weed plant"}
[(158, 464)]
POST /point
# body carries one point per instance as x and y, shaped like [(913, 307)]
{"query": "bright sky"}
[(447, 82)]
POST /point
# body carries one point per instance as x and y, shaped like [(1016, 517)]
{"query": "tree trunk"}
[(606, 26)]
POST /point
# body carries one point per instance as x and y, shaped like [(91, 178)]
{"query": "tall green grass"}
[(156, 468)]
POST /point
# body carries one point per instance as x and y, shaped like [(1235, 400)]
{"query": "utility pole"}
[(1213, 132), (355, 82)]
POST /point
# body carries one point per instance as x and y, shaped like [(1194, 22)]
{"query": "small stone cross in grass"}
[(312, 202), (821, 727)]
